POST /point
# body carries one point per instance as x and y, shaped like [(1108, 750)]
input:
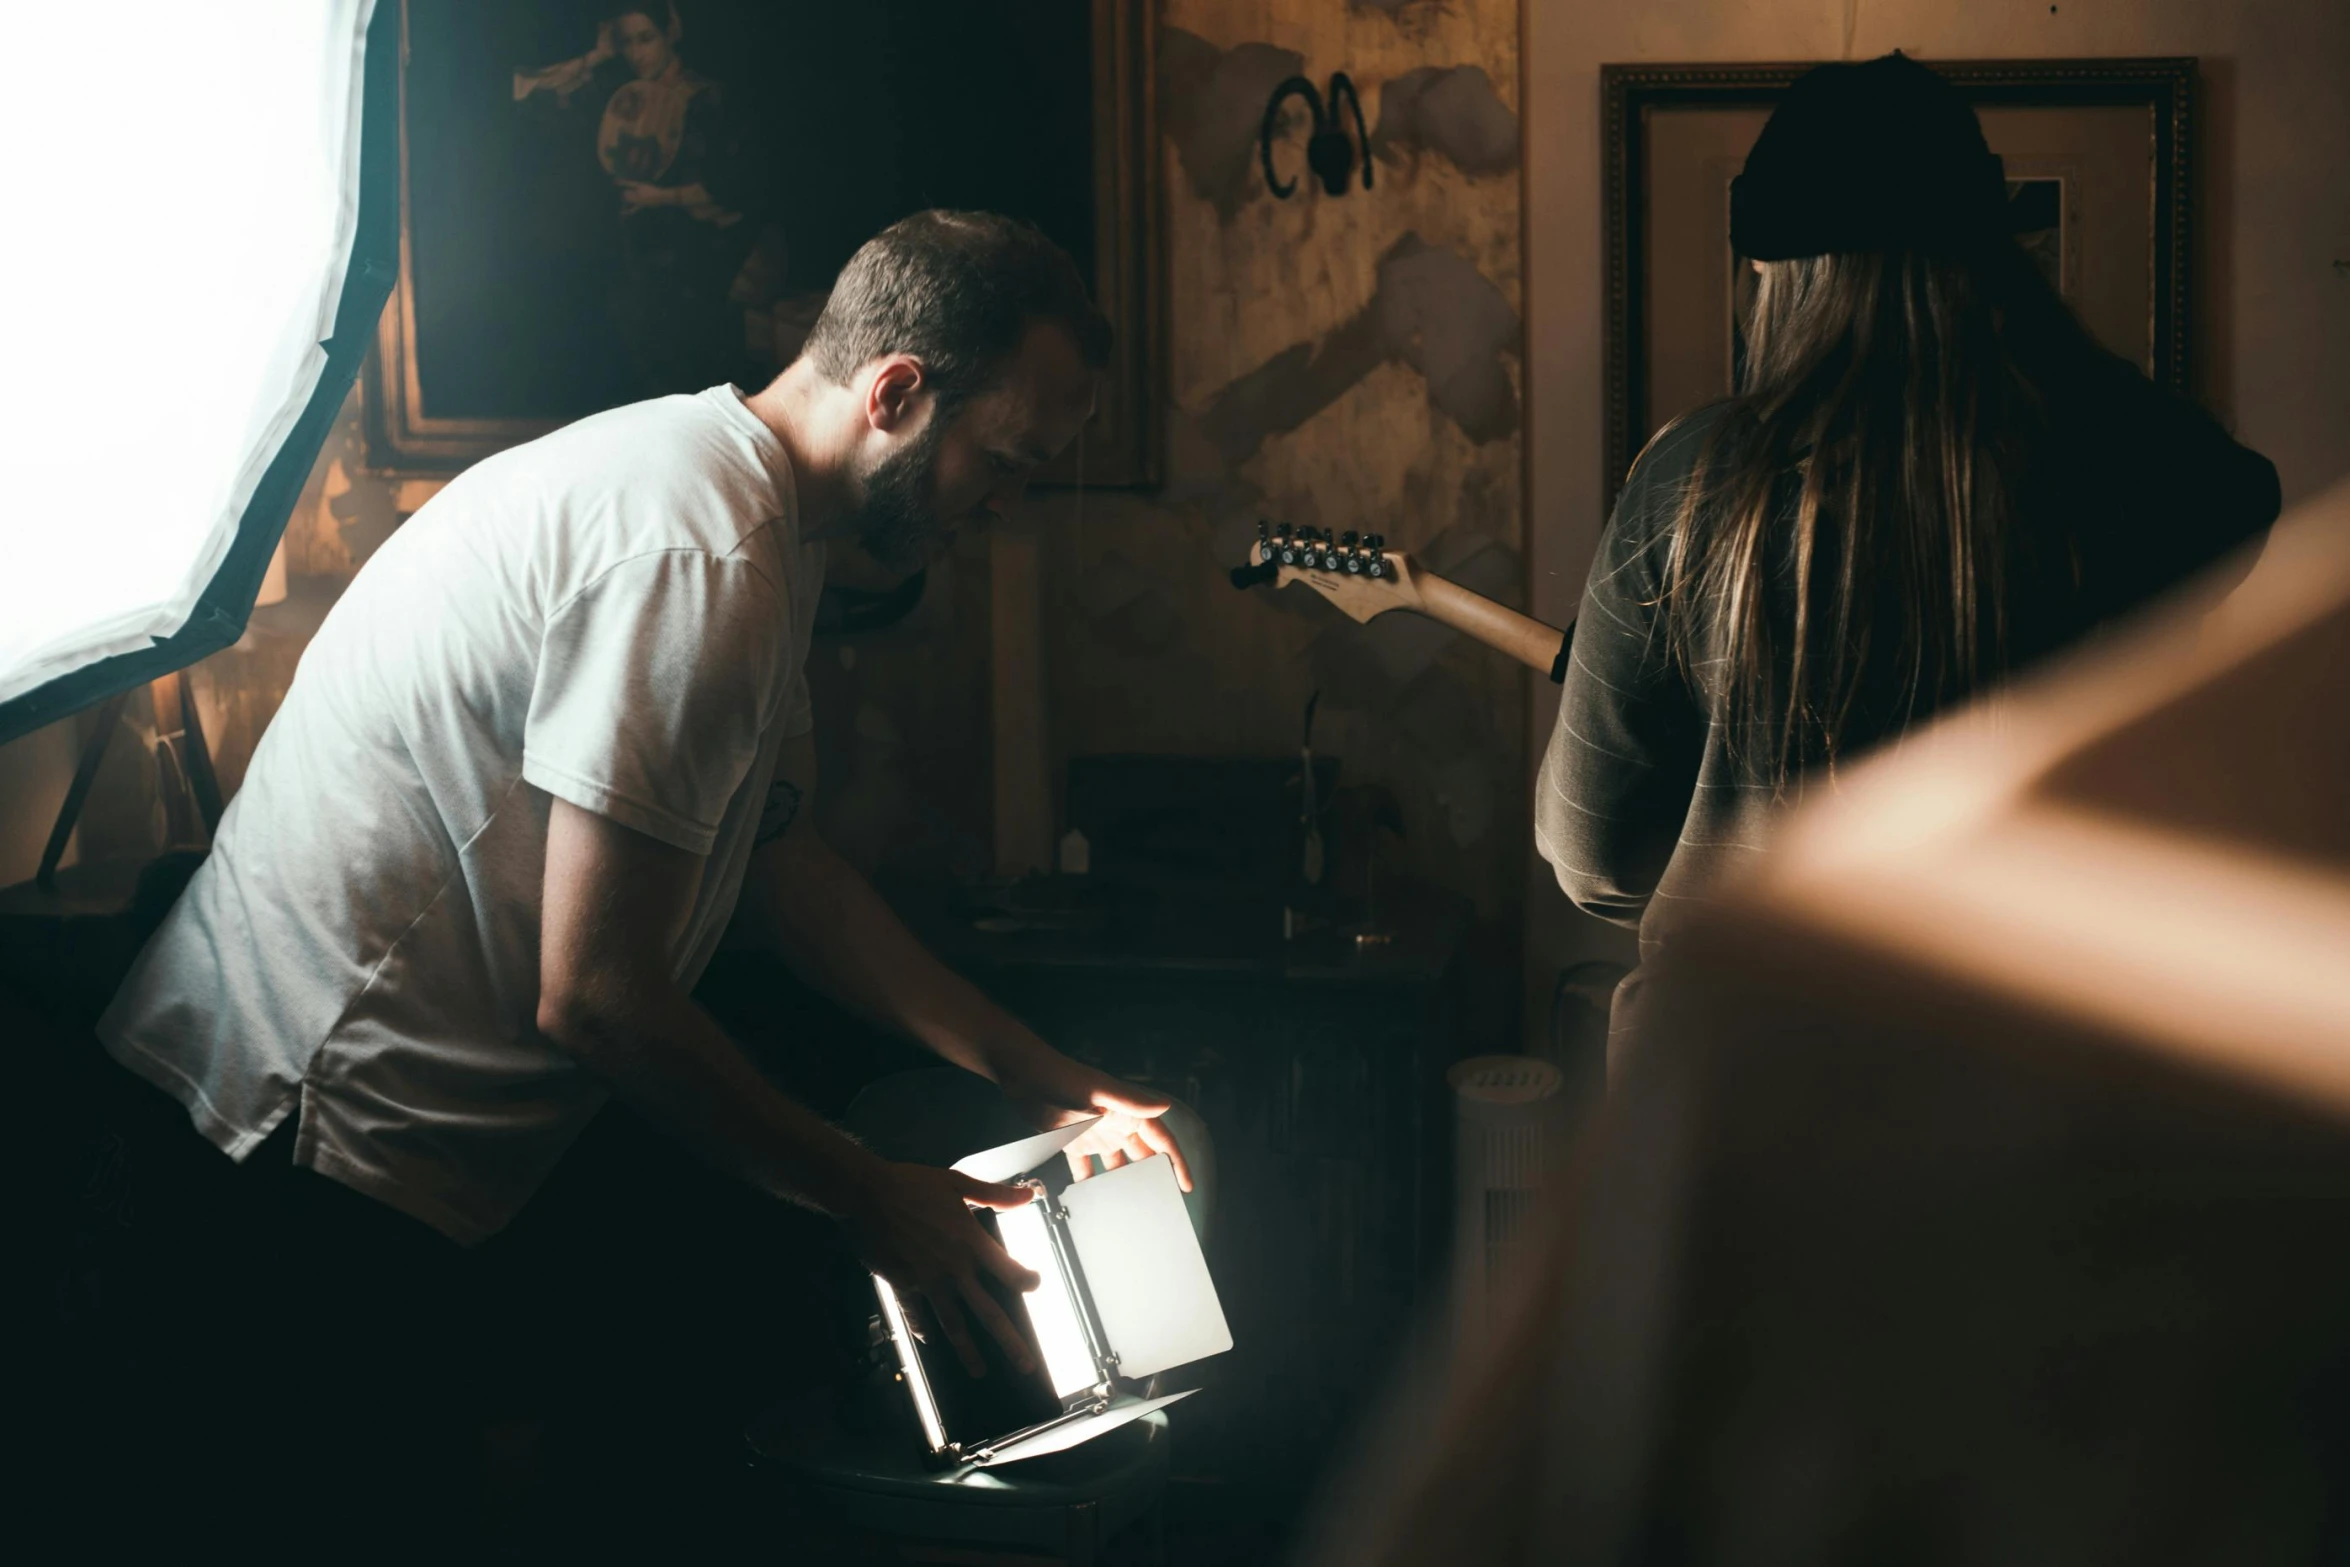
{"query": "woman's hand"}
[(1052, 1090), (912, 1224), (641, 195)]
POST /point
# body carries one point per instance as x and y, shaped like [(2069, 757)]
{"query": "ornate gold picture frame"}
[(592, 145)]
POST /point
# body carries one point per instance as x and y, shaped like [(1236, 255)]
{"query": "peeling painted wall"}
[(1349, 363)]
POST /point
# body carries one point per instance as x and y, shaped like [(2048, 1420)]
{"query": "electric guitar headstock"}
[(1355, 571)]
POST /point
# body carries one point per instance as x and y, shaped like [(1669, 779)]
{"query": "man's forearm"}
[(840, 936), (668, 1057)]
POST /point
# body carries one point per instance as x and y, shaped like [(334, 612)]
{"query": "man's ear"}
[(890, 394)]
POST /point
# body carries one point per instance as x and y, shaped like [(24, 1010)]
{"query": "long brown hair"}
[(1842, 549)]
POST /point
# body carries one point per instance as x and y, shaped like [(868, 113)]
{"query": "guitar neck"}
[(1498, 626), (1359, 574)]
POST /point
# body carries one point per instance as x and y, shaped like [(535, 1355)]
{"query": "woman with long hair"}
[(1930, 478)]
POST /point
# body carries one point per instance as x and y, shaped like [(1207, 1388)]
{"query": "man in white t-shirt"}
[(558, 728)]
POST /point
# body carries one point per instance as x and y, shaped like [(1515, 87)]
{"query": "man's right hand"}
[(615, 903), (913, 1225)]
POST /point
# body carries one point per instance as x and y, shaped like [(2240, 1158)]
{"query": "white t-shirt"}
[(617, 614)]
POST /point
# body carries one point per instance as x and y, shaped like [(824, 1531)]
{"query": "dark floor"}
[(1206, 1527), (1199, 1524), (628, 1224), (1198, 1528)]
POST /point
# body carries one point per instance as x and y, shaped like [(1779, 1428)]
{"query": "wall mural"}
[(1344, 363)]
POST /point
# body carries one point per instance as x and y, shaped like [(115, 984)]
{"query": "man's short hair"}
[(957, 291)]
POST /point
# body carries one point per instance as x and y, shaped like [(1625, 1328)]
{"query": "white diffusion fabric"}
[(174, 263)]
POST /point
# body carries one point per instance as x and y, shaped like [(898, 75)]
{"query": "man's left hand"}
[(1052, 1090)]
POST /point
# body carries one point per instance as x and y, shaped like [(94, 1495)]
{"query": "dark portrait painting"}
[(604, 203)]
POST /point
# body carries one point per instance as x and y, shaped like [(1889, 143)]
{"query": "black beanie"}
[(1880, 156)]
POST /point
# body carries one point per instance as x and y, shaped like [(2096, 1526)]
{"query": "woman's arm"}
[(728, 168), (569, 76), (643, 195), (1622, 765)]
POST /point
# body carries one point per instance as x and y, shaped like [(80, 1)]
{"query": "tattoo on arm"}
[(781, 809)]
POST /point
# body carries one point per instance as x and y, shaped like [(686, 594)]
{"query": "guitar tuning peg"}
[(1375, 556), (1354, 552), (1264, 550)]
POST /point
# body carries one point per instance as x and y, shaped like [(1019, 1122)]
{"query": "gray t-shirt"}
[(617, 615)]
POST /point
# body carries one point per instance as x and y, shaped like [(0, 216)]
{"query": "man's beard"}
[(898, 522)]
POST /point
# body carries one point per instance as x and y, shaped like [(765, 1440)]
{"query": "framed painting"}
[(602, 202), (2099, 172)]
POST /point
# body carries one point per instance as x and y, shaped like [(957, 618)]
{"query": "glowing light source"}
[(1052, 1305), (910, 1363), (1122, 1294), (164, 305)]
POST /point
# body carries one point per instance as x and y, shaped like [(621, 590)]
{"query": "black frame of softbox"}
[(227, 601)]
